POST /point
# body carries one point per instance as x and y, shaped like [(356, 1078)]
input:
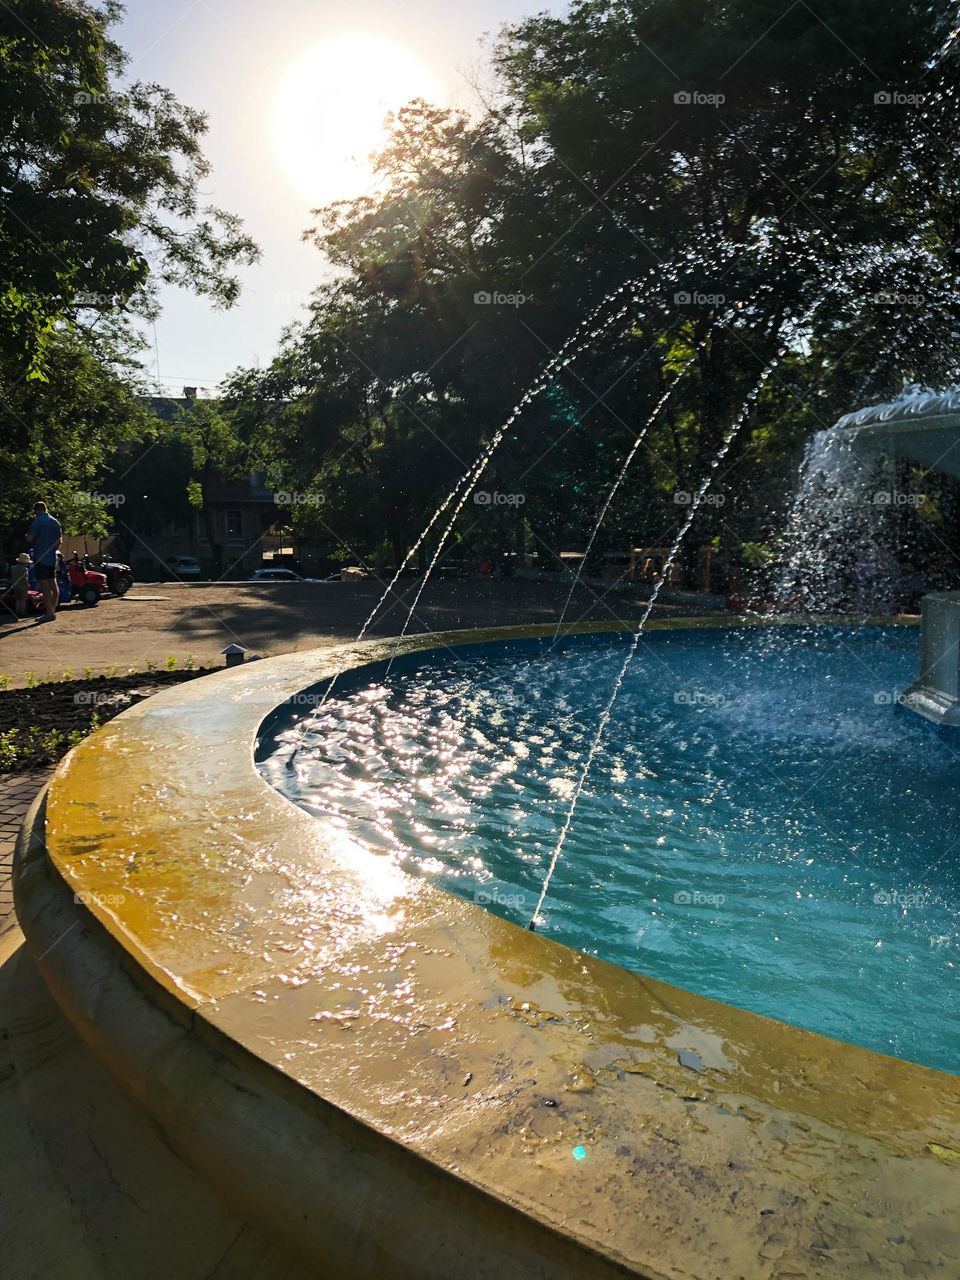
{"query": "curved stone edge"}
[(346, 1199), (90, 1187), (428, 1258)]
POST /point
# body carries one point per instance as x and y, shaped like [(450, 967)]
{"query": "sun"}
[(329, 110)]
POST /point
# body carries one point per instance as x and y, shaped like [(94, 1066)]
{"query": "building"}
[(231, 534)]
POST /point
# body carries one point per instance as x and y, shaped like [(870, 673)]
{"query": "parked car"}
[(287, 575), (278, 575), (284, 561), (185, 567)]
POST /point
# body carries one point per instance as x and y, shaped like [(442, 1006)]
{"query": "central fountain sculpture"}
[(924, 428)]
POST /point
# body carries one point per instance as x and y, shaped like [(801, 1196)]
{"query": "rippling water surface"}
[(762, 825)]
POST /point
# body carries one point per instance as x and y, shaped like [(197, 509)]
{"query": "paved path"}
[(16, 795), (89, 1190), (162, 622)]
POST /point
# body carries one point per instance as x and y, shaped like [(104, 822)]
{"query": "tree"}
[(99, 183), (215, 450), (772, 180), (55, 435), (99, 203)]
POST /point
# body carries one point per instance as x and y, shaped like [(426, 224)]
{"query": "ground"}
[(60, 680), (153, 626), (16, 795)]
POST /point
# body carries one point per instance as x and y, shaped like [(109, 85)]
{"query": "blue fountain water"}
[(759, 825)]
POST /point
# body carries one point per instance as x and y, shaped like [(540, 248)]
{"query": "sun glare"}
[(329, 110)]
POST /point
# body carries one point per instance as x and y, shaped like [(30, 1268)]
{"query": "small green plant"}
[(152, 666), (190, 662), (4, 681), (67, 673), (21, 748), (88, 673), (8, 748), (52, 742), (32, 679), (171, 662), (112, 671)]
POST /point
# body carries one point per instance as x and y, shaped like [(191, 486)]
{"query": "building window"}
[(234, 523)]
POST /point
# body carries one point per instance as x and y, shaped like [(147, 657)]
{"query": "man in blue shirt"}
[(44, 536)]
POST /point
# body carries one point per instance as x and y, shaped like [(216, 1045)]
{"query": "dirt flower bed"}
[(38, 725)]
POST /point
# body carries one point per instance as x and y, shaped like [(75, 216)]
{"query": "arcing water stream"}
[(566, 354), (604, 719)]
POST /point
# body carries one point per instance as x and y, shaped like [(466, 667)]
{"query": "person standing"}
[(44, 536)]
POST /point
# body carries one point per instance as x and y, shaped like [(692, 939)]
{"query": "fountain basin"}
[(391, 1079), (753, 786), (924, 428)]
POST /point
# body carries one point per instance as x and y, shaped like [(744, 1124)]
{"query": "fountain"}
[(921, 426), (924, 428), (342, 990), (425, 1079)]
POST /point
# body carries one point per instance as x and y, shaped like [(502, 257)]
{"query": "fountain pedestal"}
[(935, 694), (923, 428)]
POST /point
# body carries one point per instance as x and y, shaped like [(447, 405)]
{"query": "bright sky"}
[(294, 91)]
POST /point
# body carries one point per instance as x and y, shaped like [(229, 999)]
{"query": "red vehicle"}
[(85, 584), (34, 603), (77, 582)]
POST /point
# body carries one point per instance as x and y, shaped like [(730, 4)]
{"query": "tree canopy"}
[(771, 182), (99, 202)]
